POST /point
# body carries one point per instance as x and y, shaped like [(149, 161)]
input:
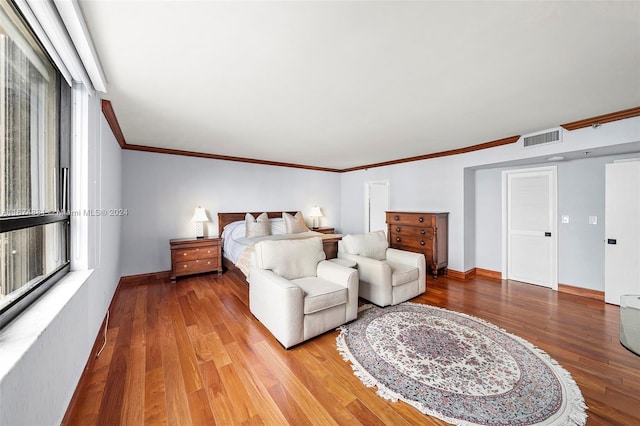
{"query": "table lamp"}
[(199, 216), (315, 214)]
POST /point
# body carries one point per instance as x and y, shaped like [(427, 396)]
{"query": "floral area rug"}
[(459, 368)]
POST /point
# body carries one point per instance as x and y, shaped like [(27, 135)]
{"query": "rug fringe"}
[(359, 371)]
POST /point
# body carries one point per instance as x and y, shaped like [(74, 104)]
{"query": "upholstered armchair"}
[(387, 276), (296, 294)]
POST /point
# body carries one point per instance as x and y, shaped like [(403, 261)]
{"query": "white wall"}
[(581, 193), (488, 217), (470, 236), (161, 192), (439, 184), (45, 350)]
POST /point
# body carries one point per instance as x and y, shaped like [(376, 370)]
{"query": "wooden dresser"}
[(421, 232), (194, 256)]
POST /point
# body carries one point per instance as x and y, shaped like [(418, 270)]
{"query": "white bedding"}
[(235, 243), (233, 248)]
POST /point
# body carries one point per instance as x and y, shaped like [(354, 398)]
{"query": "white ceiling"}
[(341, 84)]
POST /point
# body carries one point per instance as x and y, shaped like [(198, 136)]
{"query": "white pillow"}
[(294, 224), (257, 227), (277, 226), (290, 259), (373, 244), (234, 230)]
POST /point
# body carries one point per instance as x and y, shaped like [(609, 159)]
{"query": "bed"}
[(237, 248)]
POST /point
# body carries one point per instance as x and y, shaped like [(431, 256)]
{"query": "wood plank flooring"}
[(192, 353)]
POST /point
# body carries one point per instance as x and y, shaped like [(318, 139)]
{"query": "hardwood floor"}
[(192, 353)]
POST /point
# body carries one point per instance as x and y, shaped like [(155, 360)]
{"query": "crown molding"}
[(499, 142), (225, 157), (110, 116), (601, 119)]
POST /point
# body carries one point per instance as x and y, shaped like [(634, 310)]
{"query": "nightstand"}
[(194, 256), (325, 230)]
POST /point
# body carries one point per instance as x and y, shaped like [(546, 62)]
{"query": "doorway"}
[(529, 221), (376, 204)]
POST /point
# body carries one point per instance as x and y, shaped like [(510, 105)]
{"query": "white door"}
[(622, 230), (376, 205), (531, 243)]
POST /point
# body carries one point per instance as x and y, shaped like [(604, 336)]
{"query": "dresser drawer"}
[(412, 240), (412, 219), (196, 266), (426, 250), (196, 253), (404, 231)]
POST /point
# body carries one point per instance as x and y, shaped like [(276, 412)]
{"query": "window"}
[(35, 116)]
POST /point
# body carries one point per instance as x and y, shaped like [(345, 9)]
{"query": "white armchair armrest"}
[(347, 277), (413, 259), (278, 304), (369, 269), (375, 277), (405, 257)]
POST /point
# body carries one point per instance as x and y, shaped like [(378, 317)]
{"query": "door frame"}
[(554, 220), (367, 195)]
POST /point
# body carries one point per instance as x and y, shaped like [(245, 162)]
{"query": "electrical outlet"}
[(593, 220), (565, 219)]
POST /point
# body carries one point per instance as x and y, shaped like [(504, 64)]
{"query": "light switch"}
[(565, 219), (593, 220)]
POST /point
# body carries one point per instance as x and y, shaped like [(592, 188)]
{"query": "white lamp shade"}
[(316, 212), (200, 215)]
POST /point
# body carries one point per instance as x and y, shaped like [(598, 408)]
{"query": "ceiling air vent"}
[(542, 138)]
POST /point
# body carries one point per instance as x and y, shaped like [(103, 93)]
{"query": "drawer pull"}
[(422, 231), (396, 217), (398, 229), (421, 219), (208, 251), (209, 263), (184, 254), (185, 266), (398, 239), (422, 243)]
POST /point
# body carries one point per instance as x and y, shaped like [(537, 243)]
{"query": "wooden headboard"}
[(226, 218)]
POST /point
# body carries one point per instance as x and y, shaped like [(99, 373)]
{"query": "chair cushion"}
[(320, 294), (402, 274), (290, 259), (372, 244)]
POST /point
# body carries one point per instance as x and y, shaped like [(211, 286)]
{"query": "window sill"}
[(18, 336)]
